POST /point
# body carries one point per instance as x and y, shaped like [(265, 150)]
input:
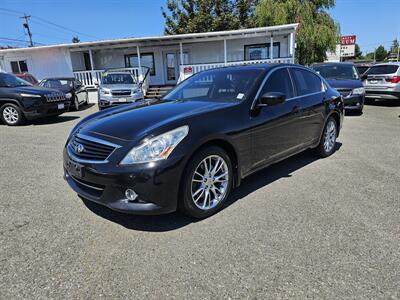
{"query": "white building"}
[(159, 60)]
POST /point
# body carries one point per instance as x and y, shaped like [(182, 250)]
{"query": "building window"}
[(19, 66), (146, 60), (261, 51)]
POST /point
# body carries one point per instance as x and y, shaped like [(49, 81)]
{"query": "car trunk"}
[(382, 77)]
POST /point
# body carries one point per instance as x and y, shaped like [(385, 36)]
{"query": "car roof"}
[(388, 64), (333, 64), (59, 78)]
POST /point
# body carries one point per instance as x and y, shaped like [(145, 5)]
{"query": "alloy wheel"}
[(330, 136), (10, 115), (210, 181)]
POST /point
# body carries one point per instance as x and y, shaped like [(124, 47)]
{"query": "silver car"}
[(382, 81), (118, 88)]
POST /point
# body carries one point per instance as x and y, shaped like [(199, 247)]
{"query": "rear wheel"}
[(75, 103), (327, 144), (208, 181), (11, 114)]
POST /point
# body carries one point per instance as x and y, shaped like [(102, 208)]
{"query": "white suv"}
[(382, 81), (118, 88)]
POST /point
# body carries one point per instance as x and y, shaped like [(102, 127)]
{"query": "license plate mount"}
[(60, 106), (122, 99), (75, 169)]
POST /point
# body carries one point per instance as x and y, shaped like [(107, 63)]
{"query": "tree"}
[(380, 53), (188, 16), (76, 39), (317, 32)]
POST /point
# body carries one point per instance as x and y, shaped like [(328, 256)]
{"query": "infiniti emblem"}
[(79, 148)]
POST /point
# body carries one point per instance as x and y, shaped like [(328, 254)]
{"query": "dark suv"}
[(19, 100)]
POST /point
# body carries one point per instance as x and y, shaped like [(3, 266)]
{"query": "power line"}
[(37, 20)]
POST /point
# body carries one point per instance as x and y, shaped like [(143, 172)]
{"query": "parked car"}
[(344, 78), (118, 88), (28, 77), (19, 100), (382, 81), (363, 67), (73, 89), (193, 146)]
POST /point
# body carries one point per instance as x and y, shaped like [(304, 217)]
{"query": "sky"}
[(374, 22)]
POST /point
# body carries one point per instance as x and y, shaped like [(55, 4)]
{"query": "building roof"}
[(189, 37)]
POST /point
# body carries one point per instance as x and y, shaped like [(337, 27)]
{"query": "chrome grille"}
[(55, 97), (88, 148), (118, 93), (345, 92)]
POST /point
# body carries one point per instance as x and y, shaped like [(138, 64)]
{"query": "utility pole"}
[(26, 26)]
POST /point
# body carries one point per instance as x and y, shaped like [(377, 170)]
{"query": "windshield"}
[(9, 80), (383, 69), (118, 79), (337, 71), (58, 83), (217, 85)]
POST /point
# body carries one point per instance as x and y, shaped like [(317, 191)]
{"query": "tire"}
[(202, 196), (75, 104), (11, 115), (86, 103), (327, 145)]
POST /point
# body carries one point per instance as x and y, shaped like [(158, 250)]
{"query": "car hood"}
[(35, 90), (345, 84), (119, 86), (134, 122)]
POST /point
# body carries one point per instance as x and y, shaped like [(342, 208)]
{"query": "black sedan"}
[(189, 149), (73, 89), (344, 77)]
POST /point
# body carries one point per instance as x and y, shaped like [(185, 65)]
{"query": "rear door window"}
[(306, 82), (382, 70)]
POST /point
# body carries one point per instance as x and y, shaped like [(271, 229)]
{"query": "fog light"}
[(130, 195)]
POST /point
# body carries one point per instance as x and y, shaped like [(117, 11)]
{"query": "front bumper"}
[(46, 110), (105, 102), (157, 184), (354, 102), (384, 95)]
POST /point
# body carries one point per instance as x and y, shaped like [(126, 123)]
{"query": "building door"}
[(171, 65)]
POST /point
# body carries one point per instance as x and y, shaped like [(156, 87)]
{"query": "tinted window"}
[(218, 85), (118, 79), (58, 83), (385, 69), (279, 81), (306, 82), (8, 80), (337, 71)]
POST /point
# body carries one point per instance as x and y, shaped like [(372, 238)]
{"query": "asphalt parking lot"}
[(305, 227)]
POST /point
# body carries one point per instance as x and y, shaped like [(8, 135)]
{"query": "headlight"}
[(359, 91), (156, 148), (68, 95), (31, 96), (104, 91)]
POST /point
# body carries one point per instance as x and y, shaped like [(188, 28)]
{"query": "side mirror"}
[(271, 98)]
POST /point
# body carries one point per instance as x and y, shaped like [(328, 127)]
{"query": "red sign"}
[(348, 40), (187, 70)]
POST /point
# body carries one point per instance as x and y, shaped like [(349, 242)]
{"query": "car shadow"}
[(383, 103), (177, 220), (51, 120), (353, 113)]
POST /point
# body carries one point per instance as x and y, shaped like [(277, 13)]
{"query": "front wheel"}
[(208, 180), (11, 115), (328, 141)]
